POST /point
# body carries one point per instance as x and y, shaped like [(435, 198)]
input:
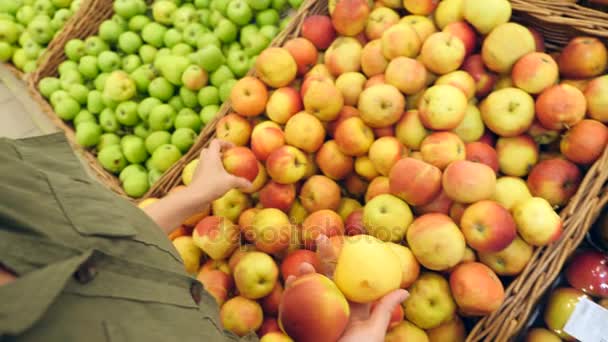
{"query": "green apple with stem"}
[(67, 65), (161, 89), (153, 34), (163, 11), (95, 45), (48, 86), (204, 14), (143, 76), (120, 21), (279, 5), (129, 42), (112, 159), (88, 133), (108, 122), (254, 44), (226, 31), (156, 139), (126, 113), (130, 63), (208, 113), (108, 61), (192, 33), (208, 95), (226, 88), (239, 12), (60, 18), (25, 14), (189, 97), (161, 118), (246, 31), (165, 156), (172, 67), (183, 138), (44, 7), (70, 77), (75, 49), (119, 86), (238, 62), (141, 130), (184, 16), (188, 118), (57, 96), (215, 17), (145, 107), (95, 102)]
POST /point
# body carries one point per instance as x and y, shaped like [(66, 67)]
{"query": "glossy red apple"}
[(588, 272)]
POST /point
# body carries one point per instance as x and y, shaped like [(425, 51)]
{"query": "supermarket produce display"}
[(451, 141), (28, 26), (139, 91)]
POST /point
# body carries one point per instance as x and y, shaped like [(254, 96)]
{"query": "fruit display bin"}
[(524, 291), (84, 25)]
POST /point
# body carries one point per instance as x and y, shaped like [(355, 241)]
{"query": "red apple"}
[(482, 153), (585, 142), (291, 264), (319, 30), (588, 272), (484, 79), (487, 226), (241, 162), (555, 180), (354, 223), (276, 195)]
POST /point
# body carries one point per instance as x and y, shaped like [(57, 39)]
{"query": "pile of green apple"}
[(28, 26), (139, 92)]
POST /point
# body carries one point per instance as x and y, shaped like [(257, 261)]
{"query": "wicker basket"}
[(546, 263)]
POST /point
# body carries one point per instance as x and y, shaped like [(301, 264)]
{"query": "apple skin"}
[(304, 122), (291, 264), (353, 225), (387, 217), (555, 180), (417, 309), (484, 79), (246, 223), (410, 130), (560, 106), (241, 162), (406, 74), (279, 196), (373, 61), (486, 16), (319, 30), (443, 107), (465, 32), (405, 331), (269, 325), (343, 55), (442, 148), (461, 80), (351, 85), (508, 112), (385, 152), (276, 67), (325, 222), (595, 93), (588, 272), (560, 307), (282, 104), (442, 52), (189, 252), (381, 105), (506, 44), (332, 162), (583, 57), (476, 289), (234, 128), (516, 155), (304, 52), (533, 231), (266, 140), (541, 335), (452, 331), (400, 40), (322, 99), (255, 275), (320, 192), (380, 19), (249, 96), (345, 113), (216, 279), (584, 143), (216, 236), (287, 165), (510, 190), (378, 186), (272, 230), (440, 204), (461, 187), (313, 309), (270, 303), (349, 17), (354, 137), (542, 135), (436, 241), (482, 153), (355, 185), (542, 66), (511, 260), (409, 264), (487, 226), (241, 316), (415, 181)]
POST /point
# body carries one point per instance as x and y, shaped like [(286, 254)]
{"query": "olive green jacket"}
[(91, 266)]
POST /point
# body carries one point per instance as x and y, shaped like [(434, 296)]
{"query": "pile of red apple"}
[(440, 128), (587, 277)]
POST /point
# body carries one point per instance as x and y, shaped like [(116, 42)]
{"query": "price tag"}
[(588, 322)]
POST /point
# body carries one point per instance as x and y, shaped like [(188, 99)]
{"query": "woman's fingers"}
[(305, 268), (381, 316), (327, 255)]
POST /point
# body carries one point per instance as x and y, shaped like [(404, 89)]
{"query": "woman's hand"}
[(210, 182), (365, 324)]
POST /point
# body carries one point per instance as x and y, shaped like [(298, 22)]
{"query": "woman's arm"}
[(209, 183)]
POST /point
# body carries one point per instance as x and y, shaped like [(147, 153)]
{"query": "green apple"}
[(154, 175), (108, 102), (177, 103), (126, 113), (182, 49), (207, 39), (172, 67), (156, 139), (259, 5), (120, 21), (95, 45), (29, 66), (62, 4), (153, 34), (57, 96), (193, 32), (270, 31), (187, 118), (67, 108), (100, 81), (238, 63), (130, 63), (214, 18), (25, 14), (208, 113), (134, 149), (136, 185), (161, 89), (279, 5), (130, 170), (107, 121), (79, 92), (95, 102), (143, 76), (161, 118), (295, 3), (74, 49), (239, 12), (147, 53), (234, 46), (165, 156), (6, 52), (226, 88), (48, 86), (184, 16), (137, 23), (70, 77), (108, 61), (129, 42), (204, 15), (267, 17), (88, 67), (200, 4), (127, 8), (10, 6), (221, 75), (163, 11), (88, 134), (172, 37), (19, 58), (254, 43), (162, 52), (560, 307), (145, 107), (247, 30), (183, 139), (108, 139), (211, 58), (60, 18), (84, 116), (208, 95), (67, 65), (220, 6), (119, 86), (44, 7), (226, 31), (194, 77), (141, 130), (31, 49), (112, 159), (75, 5), (189, 97)]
